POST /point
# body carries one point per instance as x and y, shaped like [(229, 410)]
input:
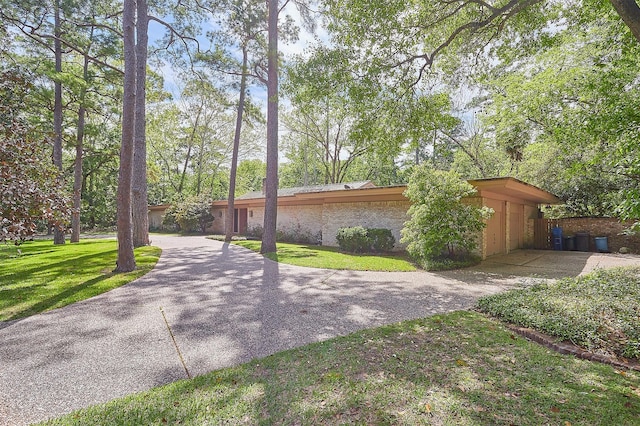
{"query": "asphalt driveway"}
[(209, 305)]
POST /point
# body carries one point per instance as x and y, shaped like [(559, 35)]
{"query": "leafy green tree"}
[(567, 114), (190, 144), (441, 222), (350, 122), (241, 26), (30, 188), (406, 38), (321, 120), (250, 176)]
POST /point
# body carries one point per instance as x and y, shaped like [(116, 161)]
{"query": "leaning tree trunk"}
[(228, 225), (629, 11), (126, 260), (139, 185), (271, 183), (58, 234)]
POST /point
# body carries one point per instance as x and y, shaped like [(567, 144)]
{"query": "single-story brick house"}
[(316, 213)]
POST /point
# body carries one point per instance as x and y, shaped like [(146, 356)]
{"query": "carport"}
[(515, 205)]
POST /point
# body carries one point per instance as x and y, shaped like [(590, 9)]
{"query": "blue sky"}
[(306, 40)]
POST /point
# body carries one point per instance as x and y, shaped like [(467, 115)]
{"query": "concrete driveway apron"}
[(205, 306)]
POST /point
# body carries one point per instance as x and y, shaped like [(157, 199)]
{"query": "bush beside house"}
[(441, 225), (191, 215), (358, 239)]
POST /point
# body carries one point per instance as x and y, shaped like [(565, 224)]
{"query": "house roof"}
[(159, 207), (512, 187), (505, 188), (289, 192)]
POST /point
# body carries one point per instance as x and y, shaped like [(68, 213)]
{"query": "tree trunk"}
[(629, 11), (189, 148), (271, 184), (126, 260), (58, 234), (228, 225), (77, 165), (140, 207)]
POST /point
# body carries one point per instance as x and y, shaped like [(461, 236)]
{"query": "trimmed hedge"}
[(365, 240)]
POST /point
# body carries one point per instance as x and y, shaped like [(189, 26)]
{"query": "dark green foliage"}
[(382, 240), (191, 215), (598, 311), (441, 223), (365, 240), (353, 240), (255, 232)]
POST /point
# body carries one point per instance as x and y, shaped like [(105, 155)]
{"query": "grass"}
[(332, 258), (599, 311), (456, 369), (38, 276), (448, 263)]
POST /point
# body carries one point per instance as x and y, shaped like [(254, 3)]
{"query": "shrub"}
[(297, 234), (597, 311), (440, 222), (382, 240), (354, 240), (365, 240), (255, 232), (192, 214), (169, 220)]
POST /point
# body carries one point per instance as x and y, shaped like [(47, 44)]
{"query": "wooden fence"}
[(542, 239)]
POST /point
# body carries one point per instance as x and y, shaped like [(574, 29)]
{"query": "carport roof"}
[(513, 187)]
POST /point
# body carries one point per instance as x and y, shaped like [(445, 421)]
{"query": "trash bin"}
[(570, 242), (582, 241), (556, 232), (602, 244)]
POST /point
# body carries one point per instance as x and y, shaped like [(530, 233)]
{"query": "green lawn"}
[(332, 258), (38, 276), (456, 369)]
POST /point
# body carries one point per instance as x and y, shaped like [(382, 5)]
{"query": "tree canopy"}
[(542, 90)]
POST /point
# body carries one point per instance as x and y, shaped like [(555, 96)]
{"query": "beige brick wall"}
[(219, 215), (155, 219), (255, 218), (601, 227), (387, 214), (300, 223), (293, 222)]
